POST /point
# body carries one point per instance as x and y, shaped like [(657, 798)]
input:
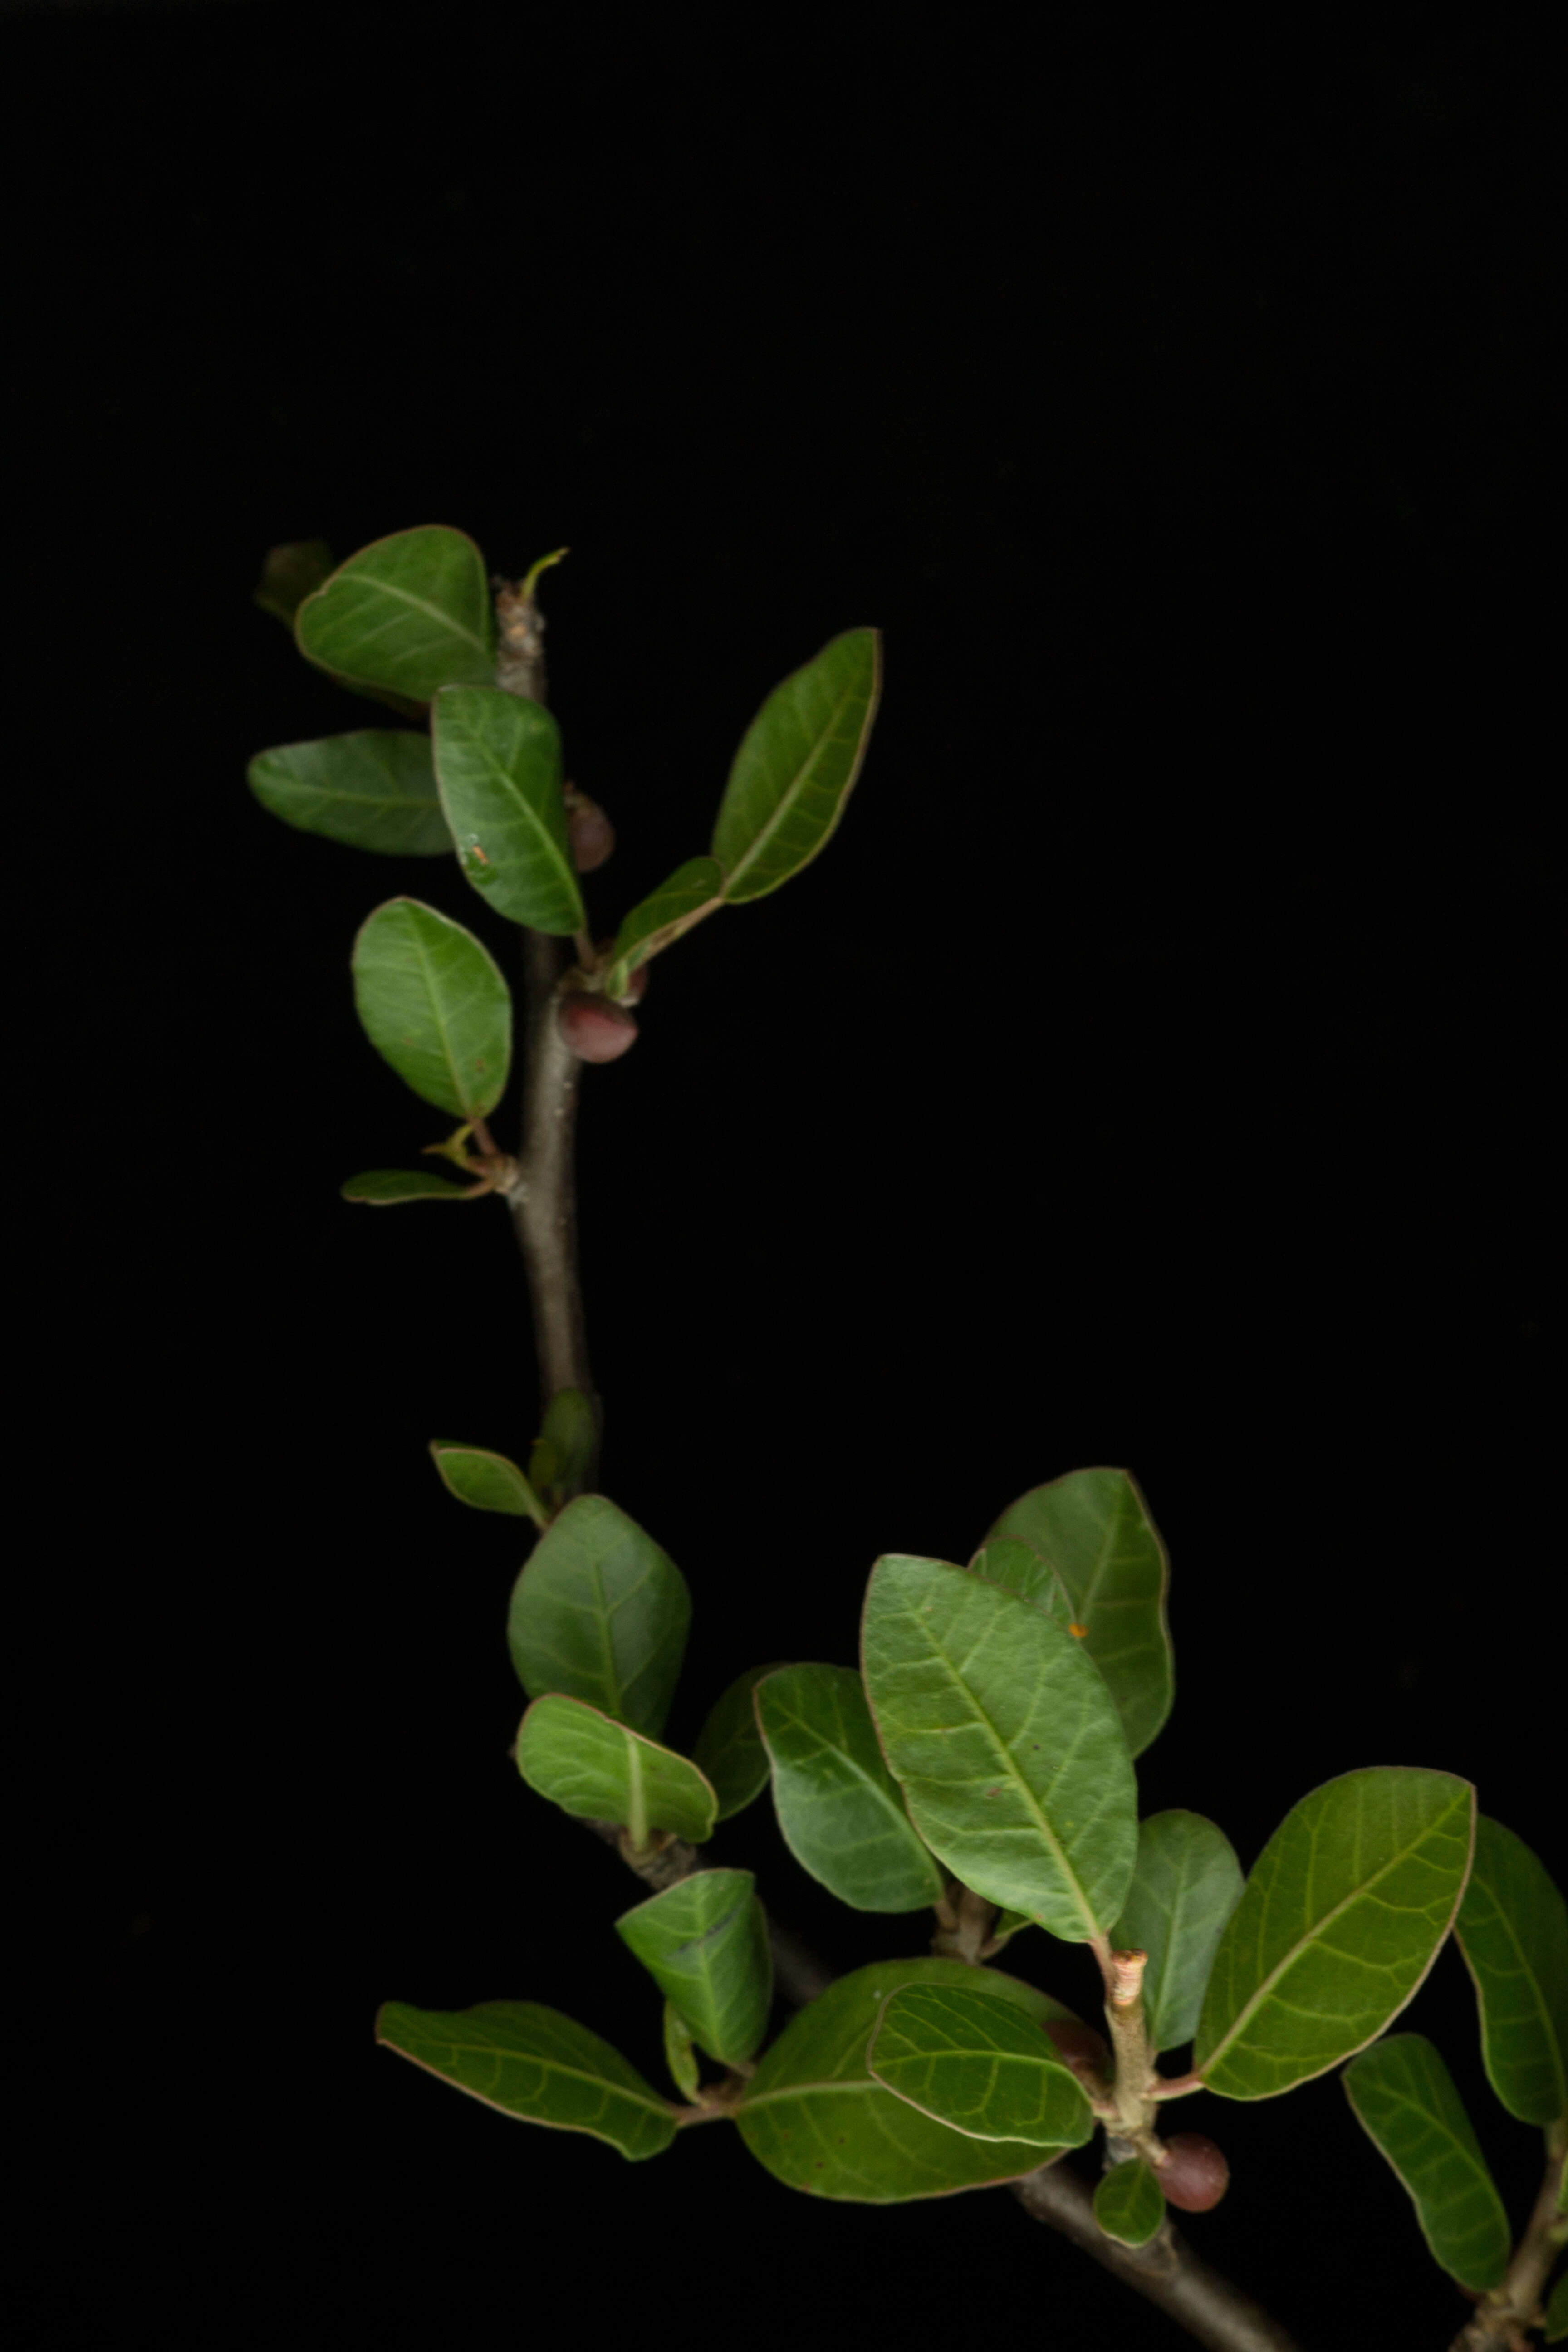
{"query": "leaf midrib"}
[(1315, 1935), (371, 584), (1045, 1831), (786, 801)]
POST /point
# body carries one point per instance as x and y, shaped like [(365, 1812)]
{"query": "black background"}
[(1153, 1071)]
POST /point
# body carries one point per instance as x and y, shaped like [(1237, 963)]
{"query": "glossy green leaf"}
[(565, 1446), (1405, 2099), (979, 2063), (1098, 1563), (841, 1811), (795, 767), (601, 1612), (498, 763), (410, 613), (383, 1187), (730, 1746), (486, 1481), (693, 891), (290, 575), (1186, 1883), (534, 2063), (1512, 1930), (678, 2053), (1006, 1741), (1341, 1917), (432, 1003), (1557, 2310), (601, 1770), (1128, 2202), (375, 789), (815, 2116), (704, 1941)]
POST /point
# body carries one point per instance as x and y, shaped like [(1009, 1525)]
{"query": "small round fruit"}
[(1079, 2044), (1195, 2174), (594, 1029), (590, 832)]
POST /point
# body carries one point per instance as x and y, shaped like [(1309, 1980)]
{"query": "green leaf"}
[(1129, 2204), (601, 1613), (1006, 1743), (980, 2064), (797, 763), (565, 1446), (290, 575), (1557, 2310), (1405, 2099), (704, 1941), (814, 2115), (432, 1003), (375, 789), (1100, 1563), (384, 1186), (730, 1746), (1185, 1887), (841, 1811), (532, 2062), (1343, 1915), (693, 891), (408, 614), (601, 1770), (486, 1481), (1512, 1930), (497, 762), (678, 2054)]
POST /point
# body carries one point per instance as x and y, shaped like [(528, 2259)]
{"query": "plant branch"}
[(1165, 2273), (543, 1195), (543, 1198)]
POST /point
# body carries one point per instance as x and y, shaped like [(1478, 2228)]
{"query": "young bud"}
[(588, 830), (1195, 2174), (1079, 2045), (594, 1029)]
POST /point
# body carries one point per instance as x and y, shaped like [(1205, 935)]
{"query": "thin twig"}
[(1500, 2324)]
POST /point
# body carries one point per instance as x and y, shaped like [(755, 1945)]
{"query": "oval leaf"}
[(375, 789), (601, 1613), (600, 1770), (532, 2062), (979, 2065), (1405, 2099), (384, 1186), (497, 762), (841, 1811), (1006, 1741), (814, 2115), (796, 766), (1100, 1563), (1342, 1916), (730, 1746), (432, 1001), (408, 614), (1512, 1930), (1128, 2202), (486, 1481), (693, 891), (704, 1941), (1186, 1883)]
